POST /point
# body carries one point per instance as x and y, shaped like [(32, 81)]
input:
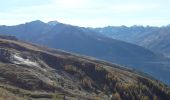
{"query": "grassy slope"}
[(96, 79)]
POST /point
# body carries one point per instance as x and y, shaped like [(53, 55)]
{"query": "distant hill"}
[(87, 42), (155, 38), (30, 72)]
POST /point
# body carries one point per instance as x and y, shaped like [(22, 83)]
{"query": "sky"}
[(87, 13)]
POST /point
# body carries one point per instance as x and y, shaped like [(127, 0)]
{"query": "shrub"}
[(116, 96)]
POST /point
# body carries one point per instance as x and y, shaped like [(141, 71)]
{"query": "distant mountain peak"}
[(53, 23), (36, 22)]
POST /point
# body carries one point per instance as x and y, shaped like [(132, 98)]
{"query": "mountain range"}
[(31, 72), (89, 42), (153, 38)]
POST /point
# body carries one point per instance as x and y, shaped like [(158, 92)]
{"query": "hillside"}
[(30, 72), (154, 38), (90, 43)]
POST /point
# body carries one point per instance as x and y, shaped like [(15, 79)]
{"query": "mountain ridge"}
[(84, 41), (153, 38)]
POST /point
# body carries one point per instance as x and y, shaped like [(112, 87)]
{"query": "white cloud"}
[(70, 3), (131, 7)]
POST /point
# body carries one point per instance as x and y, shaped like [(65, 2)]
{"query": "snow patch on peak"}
[(53, 23)]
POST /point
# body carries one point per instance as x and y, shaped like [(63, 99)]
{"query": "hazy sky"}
[(93, 13)]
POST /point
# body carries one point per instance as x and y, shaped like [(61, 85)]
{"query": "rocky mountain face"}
[(154, 38), (30, 72), (87, 42)]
